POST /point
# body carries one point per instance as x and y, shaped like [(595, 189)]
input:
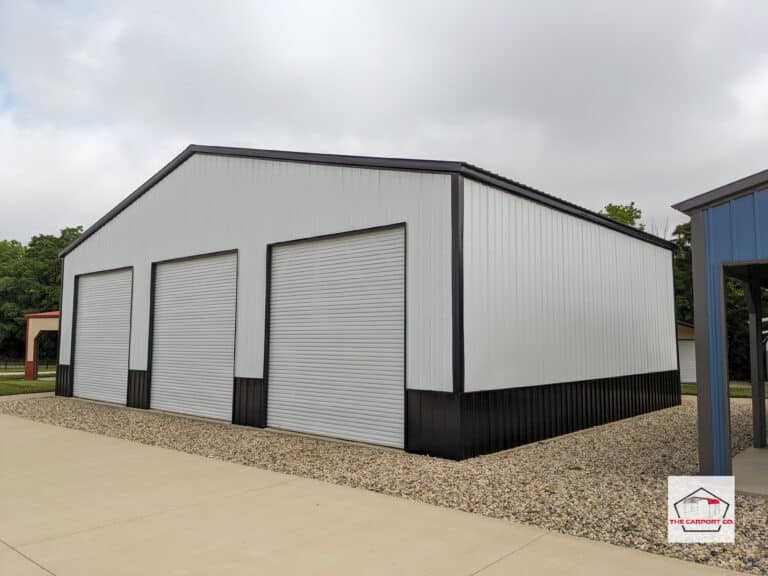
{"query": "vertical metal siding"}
[(461, 426), (214, 203), (734, 230), (102, 335), (719, 249), (336, 337), (551, 298), (687, 361), (193, 337)]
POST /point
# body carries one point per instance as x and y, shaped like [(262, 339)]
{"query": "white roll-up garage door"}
[(102, 335), (337, 337), (193, 336)]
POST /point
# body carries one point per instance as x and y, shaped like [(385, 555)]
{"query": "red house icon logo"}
[(701, 511)]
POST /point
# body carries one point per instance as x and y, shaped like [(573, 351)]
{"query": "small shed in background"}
[(686, 348), (37, 323)]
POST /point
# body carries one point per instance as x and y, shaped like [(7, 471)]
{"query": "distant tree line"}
[(30, 281)]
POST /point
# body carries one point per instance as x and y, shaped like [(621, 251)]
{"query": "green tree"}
[(736, 313), (628, 214), (30, 281), (737, 328), (683, 271), (11, 264)]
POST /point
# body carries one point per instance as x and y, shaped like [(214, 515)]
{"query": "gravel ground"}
[(606, 483)]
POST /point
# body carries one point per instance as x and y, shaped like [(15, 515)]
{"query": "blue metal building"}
[(729, 238)]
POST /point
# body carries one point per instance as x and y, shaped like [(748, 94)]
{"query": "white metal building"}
[(425, 305)]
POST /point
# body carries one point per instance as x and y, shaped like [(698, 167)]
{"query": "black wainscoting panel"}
[(249, 402), (138, 389), (63, 380), (495, 420), (433, 423)]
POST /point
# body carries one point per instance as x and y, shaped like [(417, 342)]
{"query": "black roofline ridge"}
[(436, 166)]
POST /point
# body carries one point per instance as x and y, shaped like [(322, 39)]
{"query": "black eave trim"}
[(434, 166), (496, 181), (457, 280)]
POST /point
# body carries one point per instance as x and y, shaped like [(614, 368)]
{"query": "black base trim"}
[(463, 426), (433, 423), (249, 402), (138, 389), (63, 380)]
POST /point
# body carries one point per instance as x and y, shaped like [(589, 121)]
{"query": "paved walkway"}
[(73, 503), (751, 471)]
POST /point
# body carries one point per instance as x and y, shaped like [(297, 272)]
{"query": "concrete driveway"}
[(78, 503)]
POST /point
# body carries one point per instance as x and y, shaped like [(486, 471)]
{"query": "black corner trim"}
[(151, 326), (138, 389), (249, 402), (61, 307), (267, 308), (63, 380), (457, 280), (72, 334)]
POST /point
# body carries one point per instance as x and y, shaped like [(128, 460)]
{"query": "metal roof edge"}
[(484, 176), (130, 199), (51, 314), (721, 193), (437, 166)]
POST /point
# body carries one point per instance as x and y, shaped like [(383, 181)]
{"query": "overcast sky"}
[(592, 101)]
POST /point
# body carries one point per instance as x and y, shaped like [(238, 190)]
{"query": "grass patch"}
[(735, 391), (17, 385)]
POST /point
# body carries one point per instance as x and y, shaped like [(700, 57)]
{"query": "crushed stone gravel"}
[(606, 483)]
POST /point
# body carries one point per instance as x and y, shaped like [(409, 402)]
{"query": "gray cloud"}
[(594, 101)]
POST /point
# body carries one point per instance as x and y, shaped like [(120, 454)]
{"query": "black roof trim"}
[(437, 166), (722, 193), (486, 177)]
